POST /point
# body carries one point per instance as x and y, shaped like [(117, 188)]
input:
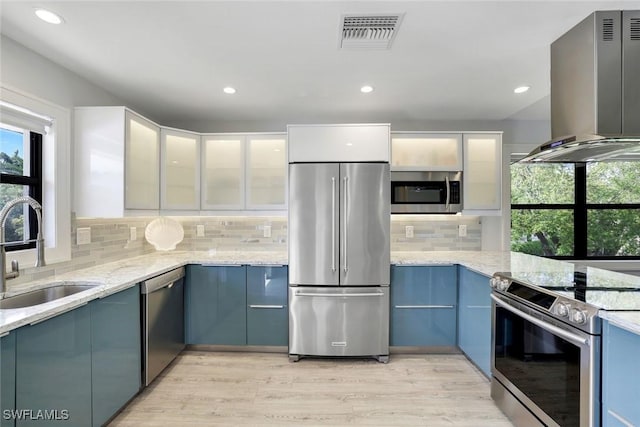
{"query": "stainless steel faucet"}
[(4, 213)]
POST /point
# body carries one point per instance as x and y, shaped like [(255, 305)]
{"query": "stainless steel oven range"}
[(546, 343)]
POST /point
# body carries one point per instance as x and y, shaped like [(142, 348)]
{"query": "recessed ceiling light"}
[(521, 89), (229, 90), (48, 16), (366, 89)]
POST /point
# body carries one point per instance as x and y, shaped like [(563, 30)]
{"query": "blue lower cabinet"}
[(267, 313), (620, 377), (116, 352), (53, 370), (7, 379), (216, 301), (423, 306), (474, 318)]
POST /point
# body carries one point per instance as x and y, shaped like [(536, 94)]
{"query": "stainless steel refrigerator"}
[(339, 256)]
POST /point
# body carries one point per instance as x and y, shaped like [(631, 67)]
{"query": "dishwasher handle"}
[(162, 281)]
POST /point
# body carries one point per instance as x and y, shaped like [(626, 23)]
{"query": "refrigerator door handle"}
[(333, 224), (355, 295), (346, 224), (446, 183)]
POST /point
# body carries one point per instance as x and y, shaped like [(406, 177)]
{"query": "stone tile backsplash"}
[(110, 238)]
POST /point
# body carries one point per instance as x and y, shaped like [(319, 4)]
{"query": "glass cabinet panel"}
[(180, 170), (223, 172), (142, 170), (426, 151), (482, 171), (266, 172)]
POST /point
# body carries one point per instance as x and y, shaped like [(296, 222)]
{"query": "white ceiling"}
[(451, 60)]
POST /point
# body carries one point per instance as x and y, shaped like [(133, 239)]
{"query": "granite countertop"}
[(116, 276)]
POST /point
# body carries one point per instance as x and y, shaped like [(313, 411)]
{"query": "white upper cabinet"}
[(142, 153), (482, 176), (223, 170), (266, 184), (339, 143), (116, 163), (422, 151), (180, 171)]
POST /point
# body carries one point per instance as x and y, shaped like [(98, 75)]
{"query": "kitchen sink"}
[(52, 292)]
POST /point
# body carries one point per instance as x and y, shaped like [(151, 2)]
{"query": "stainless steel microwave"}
[(426, 192)]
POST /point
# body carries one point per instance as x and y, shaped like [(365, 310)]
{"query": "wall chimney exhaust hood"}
[(595, 91)]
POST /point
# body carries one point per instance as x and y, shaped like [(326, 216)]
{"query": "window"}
[(20, 175), (22, 111), (576, 211)]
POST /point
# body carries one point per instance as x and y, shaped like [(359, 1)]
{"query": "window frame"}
[(56, 178), (580, 209), (33, 181)]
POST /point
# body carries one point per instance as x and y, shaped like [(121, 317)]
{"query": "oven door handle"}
[(572, 338)]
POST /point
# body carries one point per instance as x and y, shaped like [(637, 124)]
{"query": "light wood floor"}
[(207, 389)]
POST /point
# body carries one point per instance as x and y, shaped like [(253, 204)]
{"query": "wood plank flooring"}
[(257, 389)]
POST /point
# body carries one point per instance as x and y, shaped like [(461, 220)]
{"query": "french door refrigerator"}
[(339, 256)]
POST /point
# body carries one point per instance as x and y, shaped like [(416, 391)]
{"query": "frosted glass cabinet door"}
[(482, 174), (180, 173), (266, 171), (223, 172), (425, 151), (142, 163)]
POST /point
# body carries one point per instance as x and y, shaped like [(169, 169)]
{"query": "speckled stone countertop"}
[(116, 276)]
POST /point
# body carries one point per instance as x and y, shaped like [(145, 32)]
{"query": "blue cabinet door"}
[(53, 370), (216, 301), (115, 352), (7, 379), (474, 318), (423, 303), (267, 314), (620, 377)]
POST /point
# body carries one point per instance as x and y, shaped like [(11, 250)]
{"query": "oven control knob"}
[(562, 309), (494, 282), (578, 316), (503, 284)]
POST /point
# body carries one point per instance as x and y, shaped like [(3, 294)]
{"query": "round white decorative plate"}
[(164, 233)]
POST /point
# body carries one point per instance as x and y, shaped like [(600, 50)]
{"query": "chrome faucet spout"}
[(4, 213)]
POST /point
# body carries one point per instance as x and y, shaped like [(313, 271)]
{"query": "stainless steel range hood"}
[(595, 91)]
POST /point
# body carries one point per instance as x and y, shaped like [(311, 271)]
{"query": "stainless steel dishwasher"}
[(162, 322)]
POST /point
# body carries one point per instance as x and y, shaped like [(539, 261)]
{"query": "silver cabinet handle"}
[(484, 307), (346, 223), (568, 336), (446, 183), (424, 306), (311, 294), (265, 306), (333, 224)]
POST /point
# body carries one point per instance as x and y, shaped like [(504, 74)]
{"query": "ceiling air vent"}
[(369, 31)]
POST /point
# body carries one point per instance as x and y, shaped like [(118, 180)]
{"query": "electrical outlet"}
[(462, 230), (133, 233), (83, 236), (267, 231), (199, 230), (408, 231)]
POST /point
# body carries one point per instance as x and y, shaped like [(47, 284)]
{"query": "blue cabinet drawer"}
[(423, 306), (267, 312)]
